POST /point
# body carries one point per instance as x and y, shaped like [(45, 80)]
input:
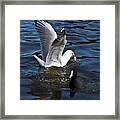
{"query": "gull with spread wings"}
[(52, 46)]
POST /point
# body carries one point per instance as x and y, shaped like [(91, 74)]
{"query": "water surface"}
[(83, 36)]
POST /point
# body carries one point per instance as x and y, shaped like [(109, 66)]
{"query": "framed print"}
[(60, 59)]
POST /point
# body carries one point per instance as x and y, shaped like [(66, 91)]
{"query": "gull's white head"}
[(70, 54)]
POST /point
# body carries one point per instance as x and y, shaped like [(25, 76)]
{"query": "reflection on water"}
[(38, 83)]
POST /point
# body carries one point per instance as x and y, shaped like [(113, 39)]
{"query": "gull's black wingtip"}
[(46, 21), (63, 31), (40, 22), (35, 21)]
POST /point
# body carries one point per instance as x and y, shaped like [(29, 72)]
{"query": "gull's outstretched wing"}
[(47, 36), (54, 56)]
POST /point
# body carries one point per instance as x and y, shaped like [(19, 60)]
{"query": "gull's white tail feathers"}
[(41, 62)]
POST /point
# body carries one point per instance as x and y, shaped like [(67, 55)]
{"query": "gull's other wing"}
[(47, 35)]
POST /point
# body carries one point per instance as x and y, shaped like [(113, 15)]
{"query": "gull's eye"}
[(73, 54)]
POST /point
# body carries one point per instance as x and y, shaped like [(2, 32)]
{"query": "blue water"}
[(83, 37)]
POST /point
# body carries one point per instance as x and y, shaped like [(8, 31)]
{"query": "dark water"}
[(84, 38)]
